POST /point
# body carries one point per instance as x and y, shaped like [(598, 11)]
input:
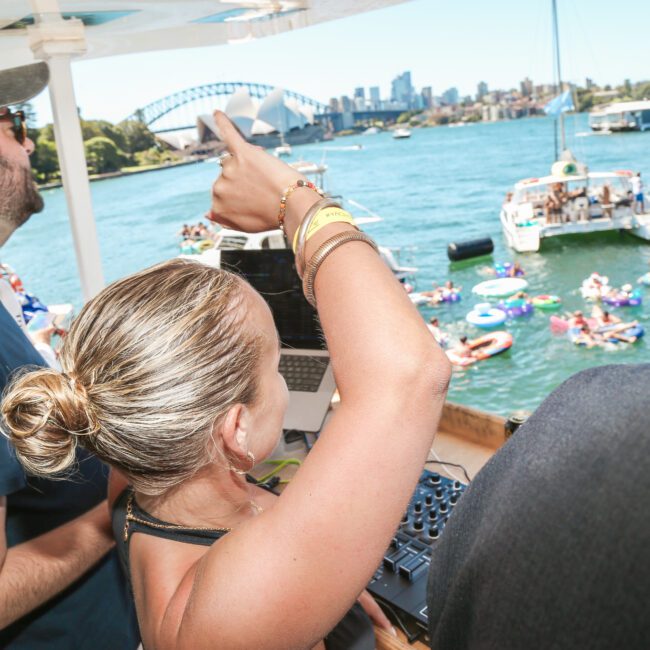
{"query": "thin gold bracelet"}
[(321, 254)]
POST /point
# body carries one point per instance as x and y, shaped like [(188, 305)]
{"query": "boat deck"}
[(598, 224)]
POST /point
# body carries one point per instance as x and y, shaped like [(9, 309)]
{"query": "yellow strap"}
[(323, 218)]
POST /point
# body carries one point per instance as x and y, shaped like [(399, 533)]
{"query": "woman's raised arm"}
[(283, 579)]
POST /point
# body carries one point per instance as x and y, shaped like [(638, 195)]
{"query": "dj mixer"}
[(400, 583)]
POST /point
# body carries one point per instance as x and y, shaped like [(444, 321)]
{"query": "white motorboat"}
[(282, 150), (401, 133)]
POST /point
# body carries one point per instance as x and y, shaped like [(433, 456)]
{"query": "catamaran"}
[(571, 200)]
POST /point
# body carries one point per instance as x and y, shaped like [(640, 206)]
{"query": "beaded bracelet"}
[(288, 192), (321, 254)]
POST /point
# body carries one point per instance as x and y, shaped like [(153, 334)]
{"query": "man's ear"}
[(233, 431)]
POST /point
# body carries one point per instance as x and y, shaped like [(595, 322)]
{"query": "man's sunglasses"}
[(18, 126)]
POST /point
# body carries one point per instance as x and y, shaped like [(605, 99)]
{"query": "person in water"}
[(516, 270), (171, 377), (463, 348), (578, 320)]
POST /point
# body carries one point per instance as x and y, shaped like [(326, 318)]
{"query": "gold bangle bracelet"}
[(321, 254), (299, 251)]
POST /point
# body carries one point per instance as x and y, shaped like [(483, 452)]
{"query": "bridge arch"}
[(153, 112)]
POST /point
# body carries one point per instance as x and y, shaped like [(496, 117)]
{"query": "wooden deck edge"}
[(476, 426)]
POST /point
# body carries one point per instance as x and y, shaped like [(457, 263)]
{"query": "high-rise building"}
[(346, 104), (526, 87), (360, 93), (334, 105), (375, 98), (589, 83), (402, 89), (450, 96), (427, 96), (481, 90)]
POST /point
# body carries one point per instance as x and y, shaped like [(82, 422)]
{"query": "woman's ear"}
[(233, 430)]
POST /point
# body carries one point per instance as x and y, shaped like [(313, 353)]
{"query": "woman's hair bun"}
[(44, 411)]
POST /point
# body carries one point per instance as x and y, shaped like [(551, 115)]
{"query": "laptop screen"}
[(273, 273)]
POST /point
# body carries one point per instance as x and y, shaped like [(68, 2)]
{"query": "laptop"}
[(304, 360)]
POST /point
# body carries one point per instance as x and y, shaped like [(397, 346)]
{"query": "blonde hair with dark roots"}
[(149, 366)]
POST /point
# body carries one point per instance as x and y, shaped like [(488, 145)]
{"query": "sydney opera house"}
[(273, 121)]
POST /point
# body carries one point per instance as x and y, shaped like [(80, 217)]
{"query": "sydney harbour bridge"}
[(180, 110)]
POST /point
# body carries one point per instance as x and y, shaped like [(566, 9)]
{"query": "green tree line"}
[(109, 147)]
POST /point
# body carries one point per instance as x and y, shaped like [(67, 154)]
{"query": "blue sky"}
[(443, 44)]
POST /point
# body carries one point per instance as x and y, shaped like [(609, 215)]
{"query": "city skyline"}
[(442, 46)]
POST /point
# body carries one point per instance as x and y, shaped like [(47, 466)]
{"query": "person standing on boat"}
[(637, 192), (185, 397), (60, 584), (556, 198)]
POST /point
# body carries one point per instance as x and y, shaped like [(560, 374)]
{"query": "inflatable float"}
[(449, 296), (636, 332), (623, 299), (482, 348), (484, 315), (547, 302), (500, 288), (516, 307), (559, 324), (562, 325), (504, 269), (419, 299)]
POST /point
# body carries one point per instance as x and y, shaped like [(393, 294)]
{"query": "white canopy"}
[(59, 30)]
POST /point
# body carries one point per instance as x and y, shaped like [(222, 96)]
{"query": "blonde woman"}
[(171, 377)]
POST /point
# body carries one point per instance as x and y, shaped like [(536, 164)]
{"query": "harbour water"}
[(441, 185)]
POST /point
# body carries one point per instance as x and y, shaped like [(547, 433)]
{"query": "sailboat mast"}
[(556, 38)]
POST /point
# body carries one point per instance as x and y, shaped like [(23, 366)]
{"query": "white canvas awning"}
[(59, 31)]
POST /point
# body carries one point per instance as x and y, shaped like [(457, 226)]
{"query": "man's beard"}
[(19, 197)]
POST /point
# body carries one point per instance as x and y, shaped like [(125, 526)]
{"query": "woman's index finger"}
[(228, 131)]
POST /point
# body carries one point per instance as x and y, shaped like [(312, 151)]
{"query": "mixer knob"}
[(429, 499), (418, 506), (444, 508), (405, 518), (434, 479), (433, 515), (453, 499), (434, 532), (439, 493), (418, 524), (457, 485)]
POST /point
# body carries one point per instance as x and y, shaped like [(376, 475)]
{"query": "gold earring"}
[(242, 472)]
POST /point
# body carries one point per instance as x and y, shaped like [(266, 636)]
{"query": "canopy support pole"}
[(57, 41)]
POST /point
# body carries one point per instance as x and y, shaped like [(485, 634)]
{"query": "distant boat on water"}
[(401, 133), (372, 130)]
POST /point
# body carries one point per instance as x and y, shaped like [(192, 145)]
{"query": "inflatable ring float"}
[(482, 348), (500, 288), (516, 307), (547, 302), (450, 296), (502, 270), (484, 315), (623, 299), (203, 245)]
